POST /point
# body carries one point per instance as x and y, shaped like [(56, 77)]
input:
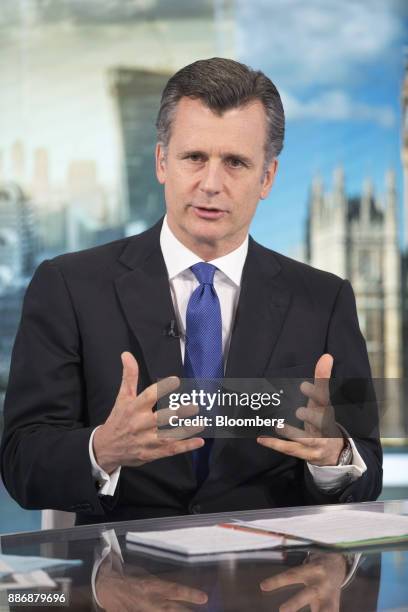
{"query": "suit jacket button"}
[(196, 509)]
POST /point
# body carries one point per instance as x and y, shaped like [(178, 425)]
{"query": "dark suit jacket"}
[(83, 309)]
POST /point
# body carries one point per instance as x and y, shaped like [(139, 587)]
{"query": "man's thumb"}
[(128, 387), (324, 366)]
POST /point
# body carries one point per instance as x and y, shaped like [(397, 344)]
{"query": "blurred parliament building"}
[(357, 238)]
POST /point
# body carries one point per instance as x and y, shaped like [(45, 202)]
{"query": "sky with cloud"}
[(338, 65)]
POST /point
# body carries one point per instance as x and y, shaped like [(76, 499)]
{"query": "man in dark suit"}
[(73, 442)]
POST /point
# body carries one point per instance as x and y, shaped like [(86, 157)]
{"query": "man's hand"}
[(321, 441), (322, 575), (130, 435), (143, 592)]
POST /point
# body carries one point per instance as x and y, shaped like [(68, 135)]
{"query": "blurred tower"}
[(327, 226), (404, 148), (392, 284), (18, 162), (17, 234), (357, 238), (81, 177), (40, 185), (404, 159), (84, 191), (137, 97)]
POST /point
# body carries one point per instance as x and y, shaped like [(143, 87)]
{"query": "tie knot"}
[(204, 272)]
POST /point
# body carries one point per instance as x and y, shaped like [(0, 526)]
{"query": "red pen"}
[(261, 531)]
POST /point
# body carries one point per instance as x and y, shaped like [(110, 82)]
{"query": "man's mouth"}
[(208, 212)]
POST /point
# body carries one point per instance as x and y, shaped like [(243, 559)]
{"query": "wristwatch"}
[(346, 454)]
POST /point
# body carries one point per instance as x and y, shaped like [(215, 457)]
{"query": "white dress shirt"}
[(227, 283)]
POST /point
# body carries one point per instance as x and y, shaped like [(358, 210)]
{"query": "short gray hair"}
[(222, 84)]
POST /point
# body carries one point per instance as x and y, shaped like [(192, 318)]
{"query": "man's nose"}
[(212, 177)]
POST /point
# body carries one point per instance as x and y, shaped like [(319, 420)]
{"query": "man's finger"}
[(142, 421), (180, 432), (152, 394), (153, 439), (164, 414), (130, 375), (296, 575), (179, 447), (297, 434), (312, 416), (152, 448), (306, 597), (324, 366), (322, 374), (319, 392), (177, 592), (151, 422), (155, 443)]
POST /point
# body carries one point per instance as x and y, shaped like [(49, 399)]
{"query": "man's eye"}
[(234, 162), (195, 157)]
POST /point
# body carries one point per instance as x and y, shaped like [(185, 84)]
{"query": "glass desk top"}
[(115, 578)]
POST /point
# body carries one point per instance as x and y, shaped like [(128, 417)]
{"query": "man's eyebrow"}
[(244, 158), (188, 152), (227, 155)]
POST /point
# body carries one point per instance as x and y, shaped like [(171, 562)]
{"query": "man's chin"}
[(207, 232), (193, 232)]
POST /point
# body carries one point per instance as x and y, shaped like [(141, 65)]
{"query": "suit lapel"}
[(144, 294), (261, 311)]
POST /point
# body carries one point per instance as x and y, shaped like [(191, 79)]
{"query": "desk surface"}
[(365, 581)]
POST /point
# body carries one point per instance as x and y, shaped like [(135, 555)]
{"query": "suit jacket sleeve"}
[(44, 455), (347, 345)]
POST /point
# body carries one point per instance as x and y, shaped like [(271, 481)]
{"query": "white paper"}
[(204, 540), (338, 527), (23, 564), (30, 580)]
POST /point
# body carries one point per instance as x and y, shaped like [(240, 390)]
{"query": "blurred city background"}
[(80, 84)]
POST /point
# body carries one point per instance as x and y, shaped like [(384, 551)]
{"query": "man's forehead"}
[(187, 106), (236, 130)]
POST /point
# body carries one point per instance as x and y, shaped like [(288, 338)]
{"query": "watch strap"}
[(346, 455)]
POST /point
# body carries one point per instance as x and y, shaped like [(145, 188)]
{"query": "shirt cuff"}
[(110, 545), (107, 483), (353, 568), (336, 477)]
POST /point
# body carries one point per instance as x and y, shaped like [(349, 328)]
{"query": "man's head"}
[(220, 128)]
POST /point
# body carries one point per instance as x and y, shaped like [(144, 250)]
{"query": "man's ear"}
[(160, 163), (269, 178)]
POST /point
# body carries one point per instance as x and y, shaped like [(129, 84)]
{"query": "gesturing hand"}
[(130, 434), (321, 441)]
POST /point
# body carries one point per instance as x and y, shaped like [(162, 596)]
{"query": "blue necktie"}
[(203, 352)]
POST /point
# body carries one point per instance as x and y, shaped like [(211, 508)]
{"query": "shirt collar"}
[(179, 258)]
